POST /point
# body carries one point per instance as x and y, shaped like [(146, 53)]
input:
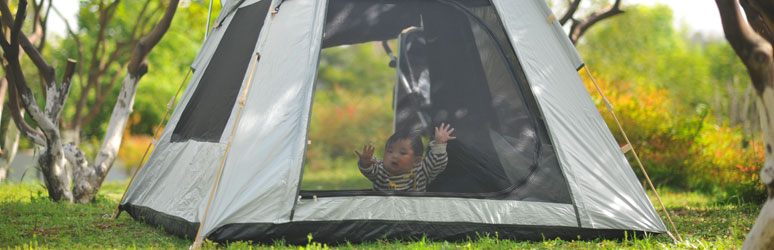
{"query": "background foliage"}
[(680, 97), (352, 107)]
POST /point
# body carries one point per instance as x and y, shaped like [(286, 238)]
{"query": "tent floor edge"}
[(358, 231), (172, 224)]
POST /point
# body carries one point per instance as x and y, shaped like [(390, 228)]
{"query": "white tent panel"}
[(603, 185), (163, 189), (159, 185), (263, 167)]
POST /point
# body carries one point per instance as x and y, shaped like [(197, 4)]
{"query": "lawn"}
[(29, 220)]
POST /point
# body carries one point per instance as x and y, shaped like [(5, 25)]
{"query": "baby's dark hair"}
[(415, 137)]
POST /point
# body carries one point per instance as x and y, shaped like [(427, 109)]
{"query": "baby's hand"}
[(367, 157), (443, 134)]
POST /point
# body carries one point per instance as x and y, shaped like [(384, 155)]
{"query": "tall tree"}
[(753, 41), (87, 177)]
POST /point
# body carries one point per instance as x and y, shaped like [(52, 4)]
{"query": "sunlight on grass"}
[(674, 198), (31, 220)]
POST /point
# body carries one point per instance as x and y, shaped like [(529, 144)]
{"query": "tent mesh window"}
[(209, 108), (456, 65)]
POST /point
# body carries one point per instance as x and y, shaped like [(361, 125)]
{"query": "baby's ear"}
[(417, 159)]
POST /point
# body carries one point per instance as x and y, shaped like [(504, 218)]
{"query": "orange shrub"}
[(678, 147)]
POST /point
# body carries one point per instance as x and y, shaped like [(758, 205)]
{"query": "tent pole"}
[(242, 99), (630, 147), (155, 137), (209, 15)]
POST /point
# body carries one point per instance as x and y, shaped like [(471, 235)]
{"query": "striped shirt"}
[(415, 180)]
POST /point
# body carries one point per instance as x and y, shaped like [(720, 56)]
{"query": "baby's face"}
[(399, 158)]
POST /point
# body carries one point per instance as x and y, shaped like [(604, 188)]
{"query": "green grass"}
[(344, 176), (29, 220)]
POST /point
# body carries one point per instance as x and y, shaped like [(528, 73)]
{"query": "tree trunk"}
[(89, 179), (752, 41), (761, 235), (55, 175)]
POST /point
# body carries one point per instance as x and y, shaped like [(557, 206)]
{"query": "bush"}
[(682, 149), (342, 121)]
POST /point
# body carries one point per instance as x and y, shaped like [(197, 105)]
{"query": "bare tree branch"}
[(573, 7), (750, 46), (45, 69), (100, 100), (137, 20), (95, 68), (61, 94), (137, 65), (44, 26), (14, 107), (121, 48), (16, 75), (13, 101), (578, 28), (38, 35), (78, 44), (762, 24)]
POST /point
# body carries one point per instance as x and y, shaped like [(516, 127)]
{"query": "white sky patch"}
[(698, 15), (68, 8)]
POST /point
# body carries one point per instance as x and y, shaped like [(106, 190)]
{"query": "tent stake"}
[(242, 99), (650, 183), (152, 142)]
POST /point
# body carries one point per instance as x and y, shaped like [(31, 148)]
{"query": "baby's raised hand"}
[(367, 157), (443, 134)]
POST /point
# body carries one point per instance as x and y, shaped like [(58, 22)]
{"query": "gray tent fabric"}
[(564, 148)]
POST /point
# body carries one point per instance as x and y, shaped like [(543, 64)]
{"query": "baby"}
[(403, 168)]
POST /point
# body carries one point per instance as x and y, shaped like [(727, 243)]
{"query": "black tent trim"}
[(357, 231)]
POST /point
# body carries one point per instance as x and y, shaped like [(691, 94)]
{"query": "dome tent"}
[(533, 159)]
